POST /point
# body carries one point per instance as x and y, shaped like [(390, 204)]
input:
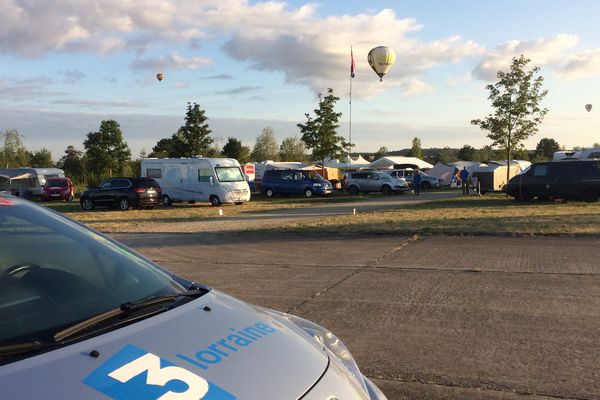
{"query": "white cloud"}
[(171, 62), (583, 65)]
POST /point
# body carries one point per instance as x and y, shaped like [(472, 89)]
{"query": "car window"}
[(229, 174), (146, 183), (106, 185), (540, 170), (288, 175), (562, 170), (590, 170), (57, 183)]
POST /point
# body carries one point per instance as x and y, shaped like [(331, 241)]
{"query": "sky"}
[(66, 65)]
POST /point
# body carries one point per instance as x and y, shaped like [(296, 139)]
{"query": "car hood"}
[(240, 351)]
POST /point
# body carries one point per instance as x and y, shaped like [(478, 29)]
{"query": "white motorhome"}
[(217, 180)]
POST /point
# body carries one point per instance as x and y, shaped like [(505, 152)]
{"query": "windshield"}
[(57, 183), (73, 274), (229, 174)]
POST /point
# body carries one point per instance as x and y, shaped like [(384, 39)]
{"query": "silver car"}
[(84, 317), (427, 181), (374, 181)]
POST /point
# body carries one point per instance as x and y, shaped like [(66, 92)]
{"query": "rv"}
[(27, 182), (217, 180)]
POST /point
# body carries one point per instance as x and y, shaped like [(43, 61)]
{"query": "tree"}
[(292, 149), (40, 159), (382, 152), (416, 150), (106, 151), (195, 134), (266, 147), (546, 148), (466, 153), (234, 149), (516, 98), (444, 155), (12, 152), (169, 147), (320, 134), (73, 163)]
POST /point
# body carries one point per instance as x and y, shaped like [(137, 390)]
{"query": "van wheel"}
[(385, 189), (166, 201), (124, 204), (353, 190), (87, 204), (269, 192), (214, 201), (308, 193), (590, 196)]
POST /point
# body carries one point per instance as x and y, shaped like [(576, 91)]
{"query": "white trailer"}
[(217, 180)]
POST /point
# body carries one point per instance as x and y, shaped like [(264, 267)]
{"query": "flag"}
[(351, 63)]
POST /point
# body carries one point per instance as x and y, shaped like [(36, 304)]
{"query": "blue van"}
[(294, 181)]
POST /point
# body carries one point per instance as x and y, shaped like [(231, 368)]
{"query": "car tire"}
[(308, 193), (425, 185), (166, 201), (214, 201), (269, 192), (353, 190), (386, 189), (87, 204), (124, 204), (590, 195)]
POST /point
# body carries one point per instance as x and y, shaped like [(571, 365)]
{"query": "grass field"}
[(487, 215)]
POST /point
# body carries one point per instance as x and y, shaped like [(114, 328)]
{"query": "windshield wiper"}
[(22, 348), (124, 310)]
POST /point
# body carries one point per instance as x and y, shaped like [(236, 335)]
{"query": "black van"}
[(570, 179)]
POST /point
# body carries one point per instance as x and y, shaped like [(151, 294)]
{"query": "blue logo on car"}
[(135, 374)]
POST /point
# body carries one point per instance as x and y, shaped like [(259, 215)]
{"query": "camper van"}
[(217, 180), (27, 182)]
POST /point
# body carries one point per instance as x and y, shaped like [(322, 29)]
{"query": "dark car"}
[(57, 189), (294, 181), (569, 179), (123, 193)]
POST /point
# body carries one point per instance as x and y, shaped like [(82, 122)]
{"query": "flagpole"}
[(350, 124)]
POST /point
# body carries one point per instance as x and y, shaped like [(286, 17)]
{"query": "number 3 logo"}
[(197, 386)]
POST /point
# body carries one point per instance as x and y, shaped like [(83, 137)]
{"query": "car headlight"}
[(331, 342)]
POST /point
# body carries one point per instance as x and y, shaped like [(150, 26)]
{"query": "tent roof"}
[(389, 162), (17, 173)]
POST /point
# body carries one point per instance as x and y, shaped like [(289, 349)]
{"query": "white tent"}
[(400, 162), (445, 172), (349, 162)]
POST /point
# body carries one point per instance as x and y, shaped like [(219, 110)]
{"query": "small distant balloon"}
[(588, 107), (381, 59), (159, 76)]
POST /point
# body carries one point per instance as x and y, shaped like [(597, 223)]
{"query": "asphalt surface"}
[(426, 318)]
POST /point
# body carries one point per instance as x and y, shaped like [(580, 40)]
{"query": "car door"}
[(564, 179), (536, 181), (287, 182), (101, 196)]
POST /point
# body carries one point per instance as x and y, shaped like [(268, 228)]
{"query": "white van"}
[(217, 180)]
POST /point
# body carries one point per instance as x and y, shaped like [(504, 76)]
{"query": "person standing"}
[(464, 181), (417, 182)]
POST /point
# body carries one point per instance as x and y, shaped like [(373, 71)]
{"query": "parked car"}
[(294, 181), (427, 181), (569, 179), (374, 181), (123, 193), (107, 323), (58, 189)]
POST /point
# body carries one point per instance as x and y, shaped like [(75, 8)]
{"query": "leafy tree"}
[(516, 98), (106, 150), (320, 134), (292, 149), (12, 151), (195, 134), (547, 147), (444, 155), (467, 153), (169, 147), (73, 163), (40, 159), (382, 152), (234, 149), (416, 150), (266, 147)]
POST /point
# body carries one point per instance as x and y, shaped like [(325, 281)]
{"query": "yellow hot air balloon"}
[(159, 76), (588, 107), (381, 59)]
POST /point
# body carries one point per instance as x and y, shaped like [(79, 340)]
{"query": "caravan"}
[(218, 180)]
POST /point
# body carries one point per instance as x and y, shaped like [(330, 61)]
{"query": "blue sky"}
[(65, 65)]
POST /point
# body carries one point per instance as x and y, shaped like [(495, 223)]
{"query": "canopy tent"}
[(348, 163), (400, 163), (16, 180)]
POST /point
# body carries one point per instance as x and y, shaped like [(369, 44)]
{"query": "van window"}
[(287, 175), (565, 169), (540, 170), (590, 170), (595, 154), (204, 175), (154, 173)]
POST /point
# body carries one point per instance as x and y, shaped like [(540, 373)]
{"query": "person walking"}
[(417, 182), (464, 181)]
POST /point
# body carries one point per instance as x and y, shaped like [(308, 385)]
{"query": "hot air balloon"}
[(588, 107), (159, 76), (381, 59)]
